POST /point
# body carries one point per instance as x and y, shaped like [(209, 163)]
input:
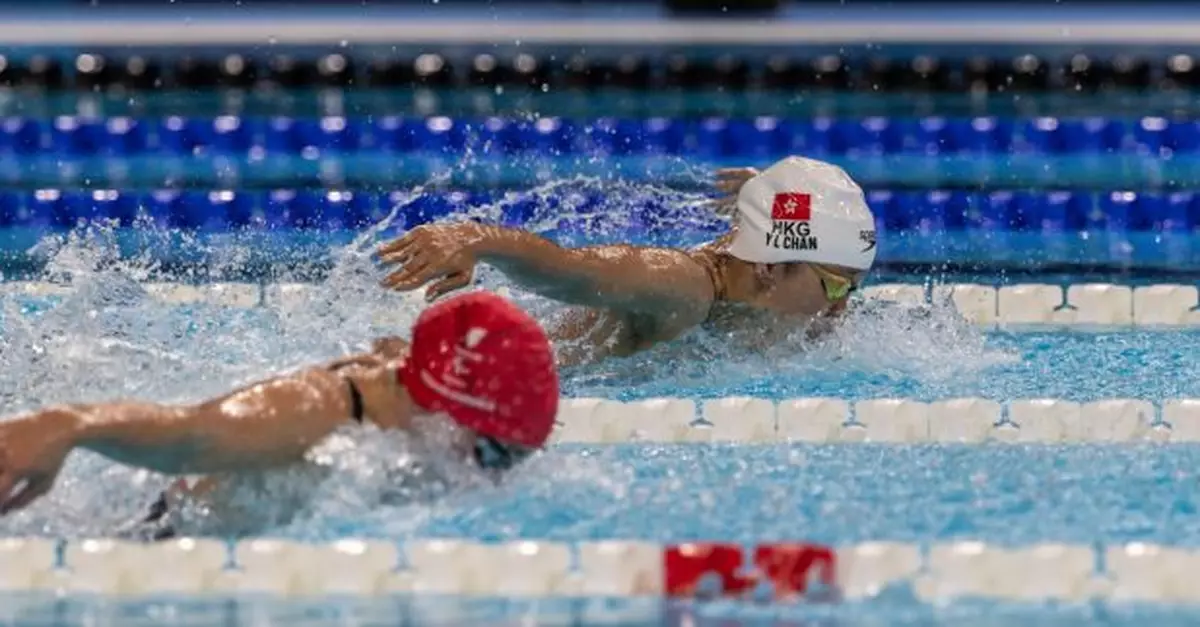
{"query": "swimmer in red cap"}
[(476, 359)]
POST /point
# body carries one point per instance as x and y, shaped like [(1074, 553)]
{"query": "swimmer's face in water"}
[(788, 289), (487, 453)]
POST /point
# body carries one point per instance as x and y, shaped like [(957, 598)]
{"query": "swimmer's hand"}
[(32, 452), (441, 256), (729, 182)]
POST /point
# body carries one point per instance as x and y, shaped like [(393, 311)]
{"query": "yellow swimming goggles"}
[(836, 286)]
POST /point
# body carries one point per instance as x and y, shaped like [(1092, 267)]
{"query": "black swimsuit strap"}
[(357, 408)]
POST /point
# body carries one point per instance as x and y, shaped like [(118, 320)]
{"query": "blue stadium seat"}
[(173, 136), (994, 212), (98, 205), (74, 136), (551, 136), (125, 136), (280, 136), (361, 209), (955, 208), (47, 208), (274, 210), (12, 211), (887, 214), (940, 211), (1027, 211), (303, 208), (118, 136), (809, 138), (437, 134), (331, 134), (908, 212), (1182, 207), (430, 207), (675, 137), (709, 139), (756, 139), (40, 209), (20, 136), (213, 211), (924, 136), (1114, 211), (622, 137), (1065, 211), (1149, 136), (859, 136), (213, 134), (520, 137), (1038, 135), (1092, 134), (979, 135), (328, 210), (160, 207), (493, 135), (1184, 136), (1155, 213), (235, 135), (391, 133)]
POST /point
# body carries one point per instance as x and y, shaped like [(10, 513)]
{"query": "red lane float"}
[(710, 569)]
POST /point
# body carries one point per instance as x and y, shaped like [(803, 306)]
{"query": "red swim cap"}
[(486, 363)]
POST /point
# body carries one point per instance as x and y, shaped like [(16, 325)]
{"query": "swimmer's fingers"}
[(730, 180), (398, 245), (394, 259), (451, 282), (725, 206), (411, 277), (397, 255), (395, 245), (414, 266)]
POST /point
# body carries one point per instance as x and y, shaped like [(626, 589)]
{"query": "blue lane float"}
[(713, 137), (480, 171), (930, 229), (923, 213)]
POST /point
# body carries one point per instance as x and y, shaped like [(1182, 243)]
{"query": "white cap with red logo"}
[(803, 210)]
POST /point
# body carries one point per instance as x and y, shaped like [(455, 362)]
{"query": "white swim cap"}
[(804, 210)]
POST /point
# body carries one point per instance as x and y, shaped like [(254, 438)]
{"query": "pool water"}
[(108, 339)]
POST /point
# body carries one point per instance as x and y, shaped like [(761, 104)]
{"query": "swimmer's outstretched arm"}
[(622, 277), (264, 425)]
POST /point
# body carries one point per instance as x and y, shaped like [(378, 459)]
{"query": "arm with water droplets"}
[(658, 282), (264, 425)]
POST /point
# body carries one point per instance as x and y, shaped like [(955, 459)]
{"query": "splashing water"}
[(104, 338)]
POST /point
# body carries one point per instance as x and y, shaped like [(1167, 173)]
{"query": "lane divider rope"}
[(967, 420), (1040, 305), (767, 572), (747, 420)]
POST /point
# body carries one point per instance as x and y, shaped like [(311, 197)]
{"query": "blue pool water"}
[(107, 339)]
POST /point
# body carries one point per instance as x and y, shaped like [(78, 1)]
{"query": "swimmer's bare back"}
[(632, 297)]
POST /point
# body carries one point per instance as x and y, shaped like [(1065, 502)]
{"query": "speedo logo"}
[(868, 238)]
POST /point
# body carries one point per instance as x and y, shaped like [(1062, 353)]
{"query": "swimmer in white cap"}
[(802, 241), (476, 359)]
